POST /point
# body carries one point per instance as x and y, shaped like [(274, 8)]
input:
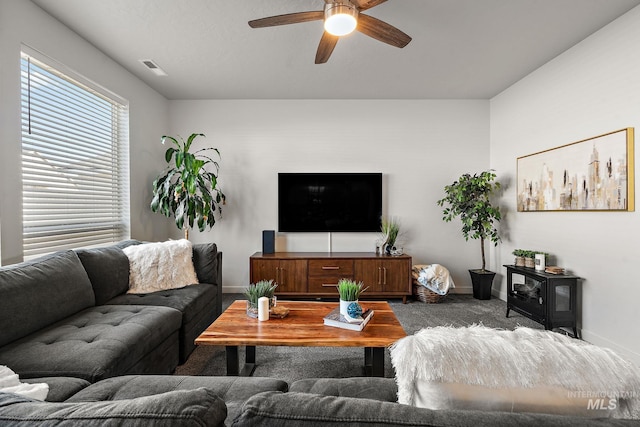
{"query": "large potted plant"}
[(188, 188), (469, 199)]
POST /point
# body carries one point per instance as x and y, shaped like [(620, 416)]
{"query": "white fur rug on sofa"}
[(479, 367)]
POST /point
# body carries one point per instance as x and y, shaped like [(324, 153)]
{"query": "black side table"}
[(549, 299)]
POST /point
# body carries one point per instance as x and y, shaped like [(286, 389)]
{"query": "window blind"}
[(75, 186)]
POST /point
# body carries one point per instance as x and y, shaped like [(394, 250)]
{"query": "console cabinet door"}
[(264, 269), (369, 272), (384, 275), (396, 275), (292, 276), (289, 274)]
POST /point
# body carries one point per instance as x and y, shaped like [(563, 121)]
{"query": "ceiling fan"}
[(341, 17)]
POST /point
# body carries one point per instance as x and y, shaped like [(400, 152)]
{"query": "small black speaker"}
[(268, 241)]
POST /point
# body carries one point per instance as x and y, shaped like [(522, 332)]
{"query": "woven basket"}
[(425, 295)]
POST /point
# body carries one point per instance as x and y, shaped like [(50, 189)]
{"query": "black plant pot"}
[(482, 280)]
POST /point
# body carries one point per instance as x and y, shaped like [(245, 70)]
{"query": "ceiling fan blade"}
[(325, 48), (366, 4), (289, 18), (380, 30)]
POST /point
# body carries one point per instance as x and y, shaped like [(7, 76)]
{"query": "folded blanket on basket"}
[(436, 278)]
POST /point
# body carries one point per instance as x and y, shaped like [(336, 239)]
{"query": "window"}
[(75, 144)]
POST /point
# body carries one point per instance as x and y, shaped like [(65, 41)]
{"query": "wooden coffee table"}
[(303, 327)]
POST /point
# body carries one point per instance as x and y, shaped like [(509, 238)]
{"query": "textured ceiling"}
[(460, 49)]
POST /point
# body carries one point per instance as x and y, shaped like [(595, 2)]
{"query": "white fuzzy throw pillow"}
[(159, 266)]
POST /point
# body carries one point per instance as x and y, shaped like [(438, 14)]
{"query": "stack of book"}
[(337, 320), (554, 269)]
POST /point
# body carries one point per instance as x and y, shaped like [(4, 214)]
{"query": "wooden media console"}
[(316, 274)]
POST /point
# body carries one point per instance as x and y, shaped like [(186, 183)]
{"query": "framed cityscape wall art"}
[(595, 174)]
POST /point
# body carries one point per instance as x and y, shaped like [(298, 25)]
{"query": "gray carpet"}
[(293, 363)]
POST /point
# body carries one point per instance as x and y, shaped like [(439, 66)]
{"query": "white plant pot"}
[(344, 306)]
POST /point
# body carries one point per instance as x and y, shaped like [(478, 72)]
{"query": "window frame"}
[(81, 150)]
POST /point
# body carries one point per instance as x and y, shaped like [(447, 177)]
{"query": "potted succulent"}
[(349, 291), (188, 188), (469, 198), (262, 288)]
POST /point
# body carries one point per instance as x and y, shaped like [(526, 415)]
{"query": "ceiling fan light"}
[(340, 19)]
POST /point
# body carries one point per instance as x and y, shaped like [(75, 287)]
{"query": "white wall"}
[(419, 146), (23, 22), (593, 88)]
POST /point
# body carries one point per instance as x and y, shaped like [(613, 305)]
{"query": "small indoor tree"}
[(188, 188), (469, 199)]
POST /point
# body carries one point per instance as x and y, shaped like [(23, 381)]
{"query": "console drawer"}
[(324, 285), (331, 267)]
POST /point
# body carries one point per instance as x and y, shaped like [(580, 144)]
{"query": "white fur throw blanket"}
[(526, 357), (10, 383), (159, 266)]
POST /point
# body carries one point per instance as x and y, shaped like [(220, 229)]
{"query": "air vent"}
[(153, 67)]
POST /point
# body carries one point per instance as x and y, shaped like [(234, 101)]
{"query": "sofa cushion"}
[(301, 409), (199, 407), (205, 262), (96, 343), (384, 389), (162, 265), (60, 388), (233, 390), (197, 304), (126, 243), (40, 292), (108, 271), (190, 300)]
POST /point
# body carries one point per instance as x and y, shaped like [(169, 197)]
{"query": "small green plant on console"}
[(520, 252), (390, 228), (350, 290)]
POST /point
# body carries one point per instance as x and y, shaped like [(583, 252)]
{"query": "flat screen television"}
[(337, 202)]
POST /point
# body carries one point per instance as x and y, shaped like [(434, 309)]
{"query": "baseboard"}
[(601, 341), (463, 290), (593, 338)]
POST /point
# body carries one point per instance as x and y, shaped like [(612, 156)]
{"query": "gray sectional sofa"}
[(149, 400), (68, 315)]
